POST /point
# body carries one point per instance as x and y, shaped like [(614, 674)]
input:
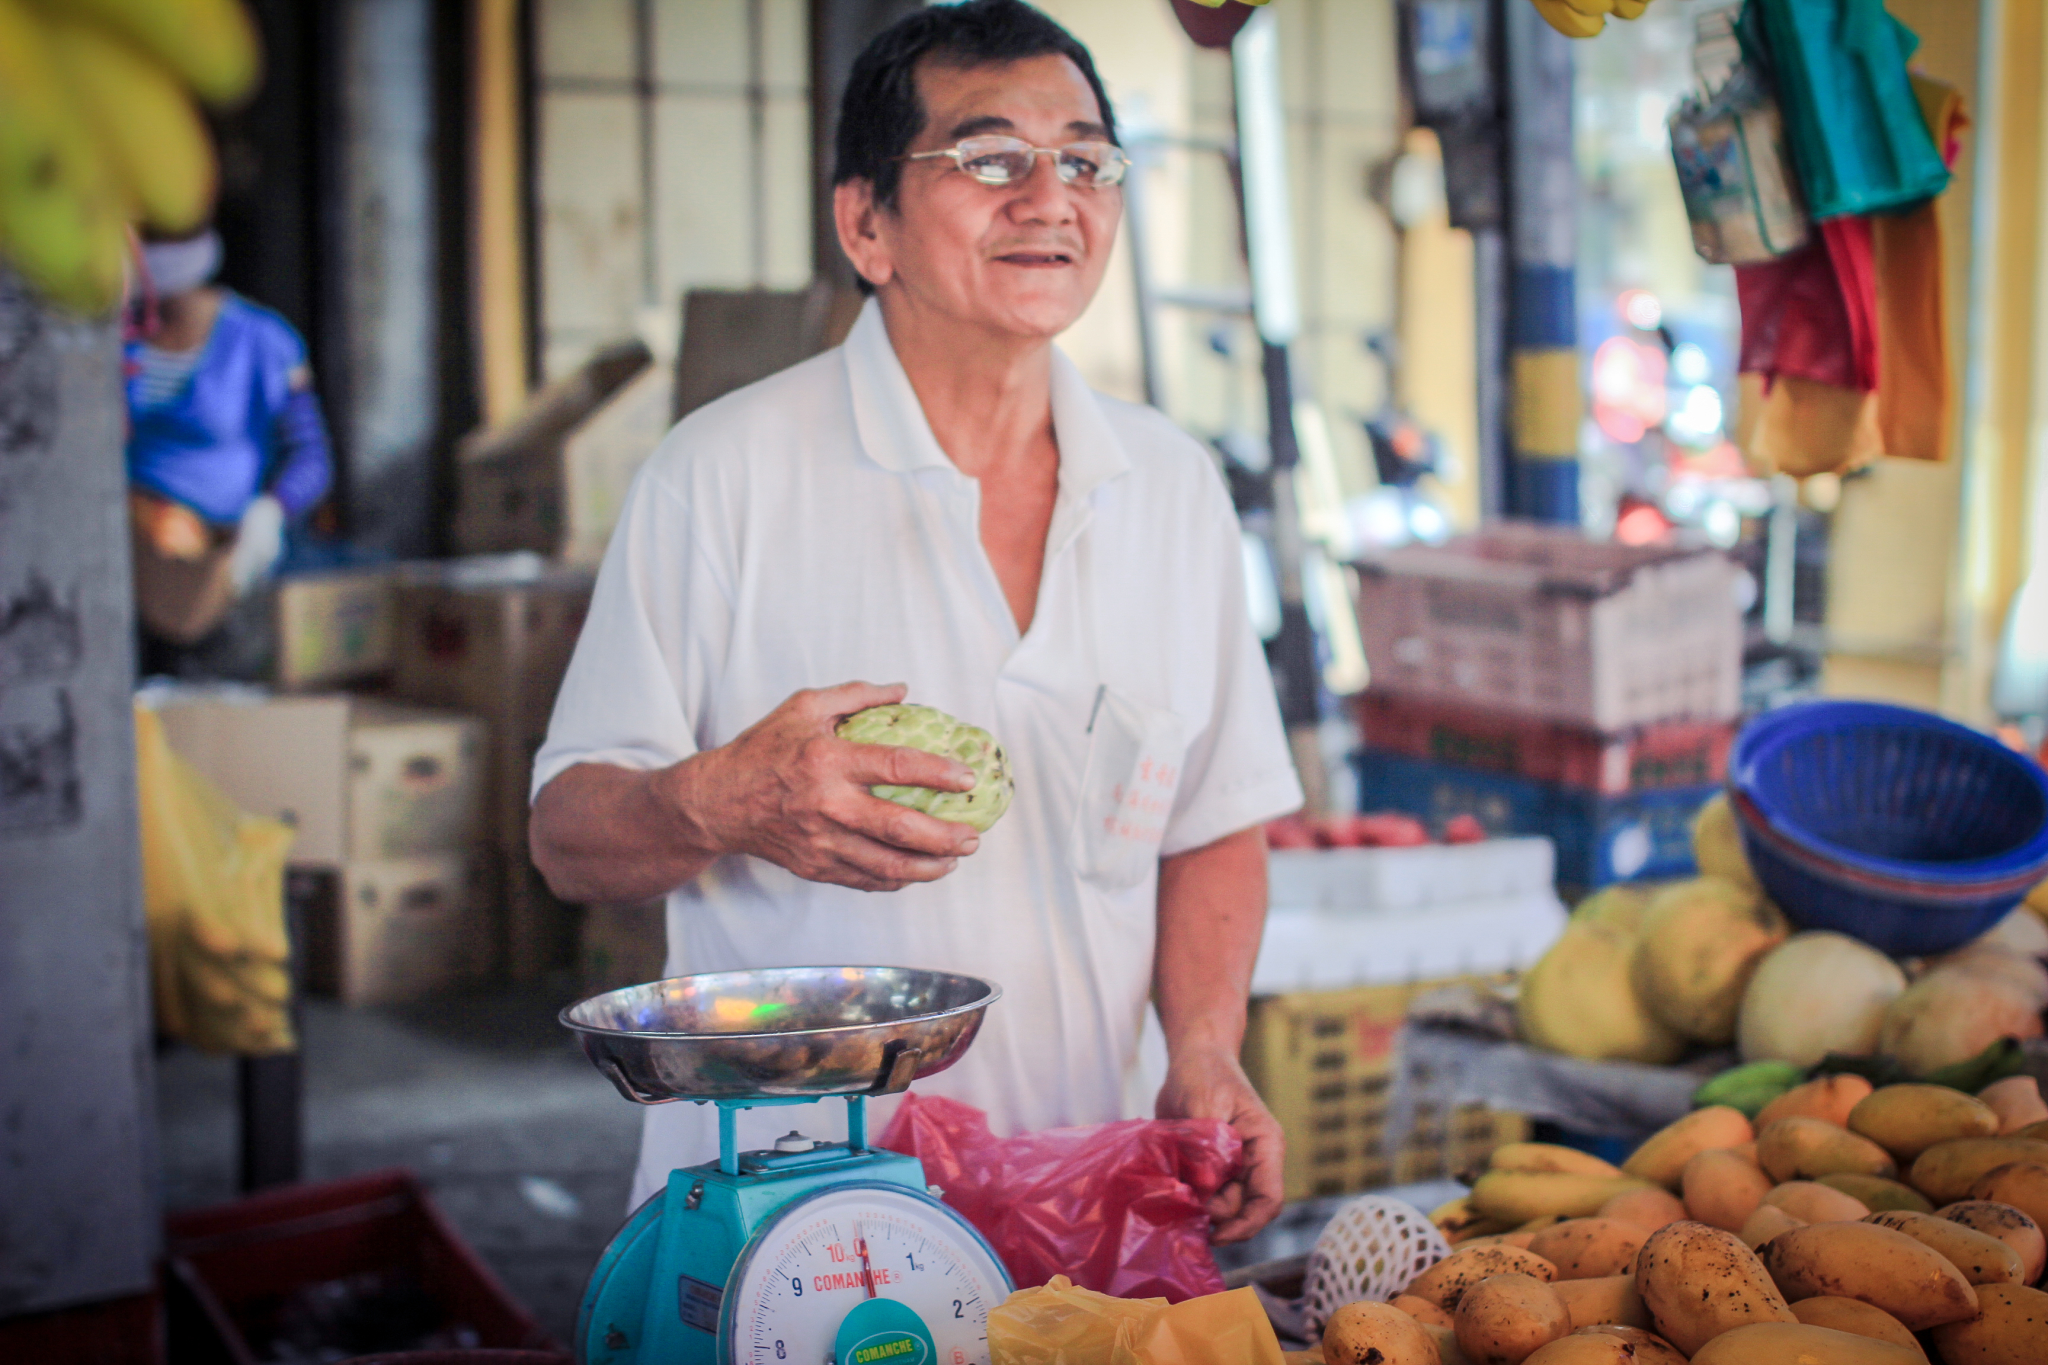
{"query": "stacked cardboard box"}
[(493, 636), (334, 627), (388, 804), (1550, 684), (536, 502), (552, 479)]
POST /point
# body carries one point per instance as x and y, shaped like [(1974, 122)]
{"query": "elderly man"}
[(942, 500)]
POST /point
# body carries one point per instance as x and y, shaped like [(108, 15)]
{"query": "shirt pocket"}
[(1127, 790)]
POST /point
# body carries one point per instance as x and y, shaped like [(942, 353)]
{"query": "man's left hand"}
[(1210, 1084)]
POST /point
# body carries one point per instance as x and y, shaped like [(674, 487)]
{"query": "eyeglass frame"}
[(1018, 144)]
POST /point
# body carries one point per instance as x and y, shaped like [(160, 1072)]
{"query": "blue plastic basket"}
[(1908, 831)]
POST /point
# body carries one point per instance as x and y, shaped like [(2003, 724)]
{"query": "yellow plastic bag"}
[(213, 896), (1230, 1328), (1059, 1324)]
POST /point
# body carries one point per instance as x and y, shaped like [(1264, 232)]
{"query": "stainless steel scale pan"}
[(782, 1032)]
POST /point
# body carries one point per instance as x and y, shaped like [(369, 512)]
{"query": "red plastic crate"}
[(239, 1261), (123, 1331), (1647, 758)]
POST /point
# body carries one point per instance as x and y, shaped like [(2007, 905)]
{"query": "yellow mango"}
[(1661, 1159), (1796, 1343), (1906, 1120), (1806, 1149), (1882, 1266), (1699, 1282), (2011, 1328), (1945, 1171)]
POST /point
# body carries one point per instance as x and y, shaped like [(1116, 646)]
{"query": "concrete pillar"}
[(384, 288), (79, 1218), (1546, 402)]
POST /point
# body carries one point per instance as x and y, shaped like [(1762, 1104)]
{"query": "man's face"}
[(1023, 258)]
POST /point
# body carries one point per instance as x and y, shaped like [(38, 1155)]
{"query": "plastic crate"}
[(1325, 1064), (240, 1266), (1682, 753), (1550, 625), (1599, 839)]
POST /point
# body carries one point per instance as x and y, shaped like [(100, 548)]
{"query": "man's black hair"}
[(881, 114)]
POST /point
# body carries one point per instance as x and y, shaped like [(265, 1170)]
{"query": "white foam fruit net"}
[(1372, 1249)]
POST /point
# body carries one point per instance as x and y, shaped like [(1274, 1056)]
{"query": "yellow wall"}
[(1898, 607)]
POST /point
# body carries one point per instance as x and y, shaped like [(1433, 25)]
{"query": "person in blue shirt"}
[(226, 443)]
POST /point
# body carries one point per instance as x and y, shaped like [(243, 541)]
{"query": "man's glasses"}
[(999, 160)]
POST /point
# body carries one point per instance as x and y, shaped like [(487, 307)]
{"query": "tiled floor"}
[(524, 1146)]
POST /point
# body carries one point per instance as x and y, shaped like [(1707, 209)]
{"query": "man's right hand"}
[(789, 790)]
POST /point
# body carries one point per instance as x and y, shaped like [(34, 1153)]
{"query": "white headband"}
[(175, 267)]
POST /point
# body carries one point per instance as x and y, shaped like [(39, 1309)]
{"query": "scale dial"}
[(801, 1274)]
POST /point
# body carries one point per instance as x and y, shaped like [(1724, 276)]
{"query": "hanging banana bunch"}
[(99, 129), (1584, 18)]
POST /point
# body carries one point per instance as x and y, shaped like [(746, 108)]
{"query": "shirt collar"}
[(895, 435)]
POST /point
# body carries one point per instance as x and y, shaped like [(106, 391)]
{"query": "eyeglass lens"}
[(1003, 160)]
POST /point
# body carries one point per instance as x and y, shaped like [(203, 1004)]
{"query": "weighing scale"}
[(818, 1253)]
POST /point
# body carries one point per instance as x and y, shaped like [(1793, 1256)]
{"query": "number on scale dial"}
[(805, 1271)]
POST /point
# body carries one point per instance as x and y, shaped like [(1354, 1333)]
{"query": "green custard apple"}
[(935, 732)]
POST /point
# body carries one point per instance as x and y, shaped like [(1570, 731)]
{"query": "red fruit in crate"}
[(1289, 831), (1464, 829), (1389, 830)]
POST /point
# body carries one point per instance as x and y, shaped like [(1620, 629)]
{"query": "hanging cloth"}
[(1915, 397), (1810, 334)]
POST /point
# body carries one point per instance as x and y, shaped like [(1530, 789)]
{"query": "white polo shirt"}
[(808, 531)]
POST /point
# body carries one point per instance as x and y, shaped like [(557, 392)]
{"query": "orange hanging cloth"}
[(1915, 399)]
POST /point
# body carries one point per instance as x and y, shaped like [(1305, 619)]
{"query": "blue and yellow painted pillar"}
[(1546, 398)]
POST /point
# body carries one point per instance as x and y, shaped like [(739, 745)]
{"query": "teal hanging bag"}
[(1856, 133)]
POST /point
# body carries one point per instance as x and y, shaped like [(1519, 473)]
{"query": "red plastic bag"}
[(1121, 1208)]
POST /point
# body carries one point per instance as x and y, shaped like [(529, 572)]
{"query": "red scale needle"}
[(867, 1272)]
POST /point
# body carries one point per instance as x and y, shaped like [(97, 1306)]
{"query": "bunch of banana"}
[(1585, 18), (98, 129), (1218, 4), (1525, 1181)]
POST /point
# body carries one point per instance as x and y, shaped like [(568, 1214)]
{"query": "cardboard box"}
[(399, 931), (492, 636), (545, 481), (622, 945), (733, 337), (601, 457), (359, 779), (1324, 1062), (415, 782), (334, 627)]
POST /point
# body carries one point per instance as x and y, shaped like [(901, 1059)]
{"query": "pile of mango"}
[(1847, 1225)]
